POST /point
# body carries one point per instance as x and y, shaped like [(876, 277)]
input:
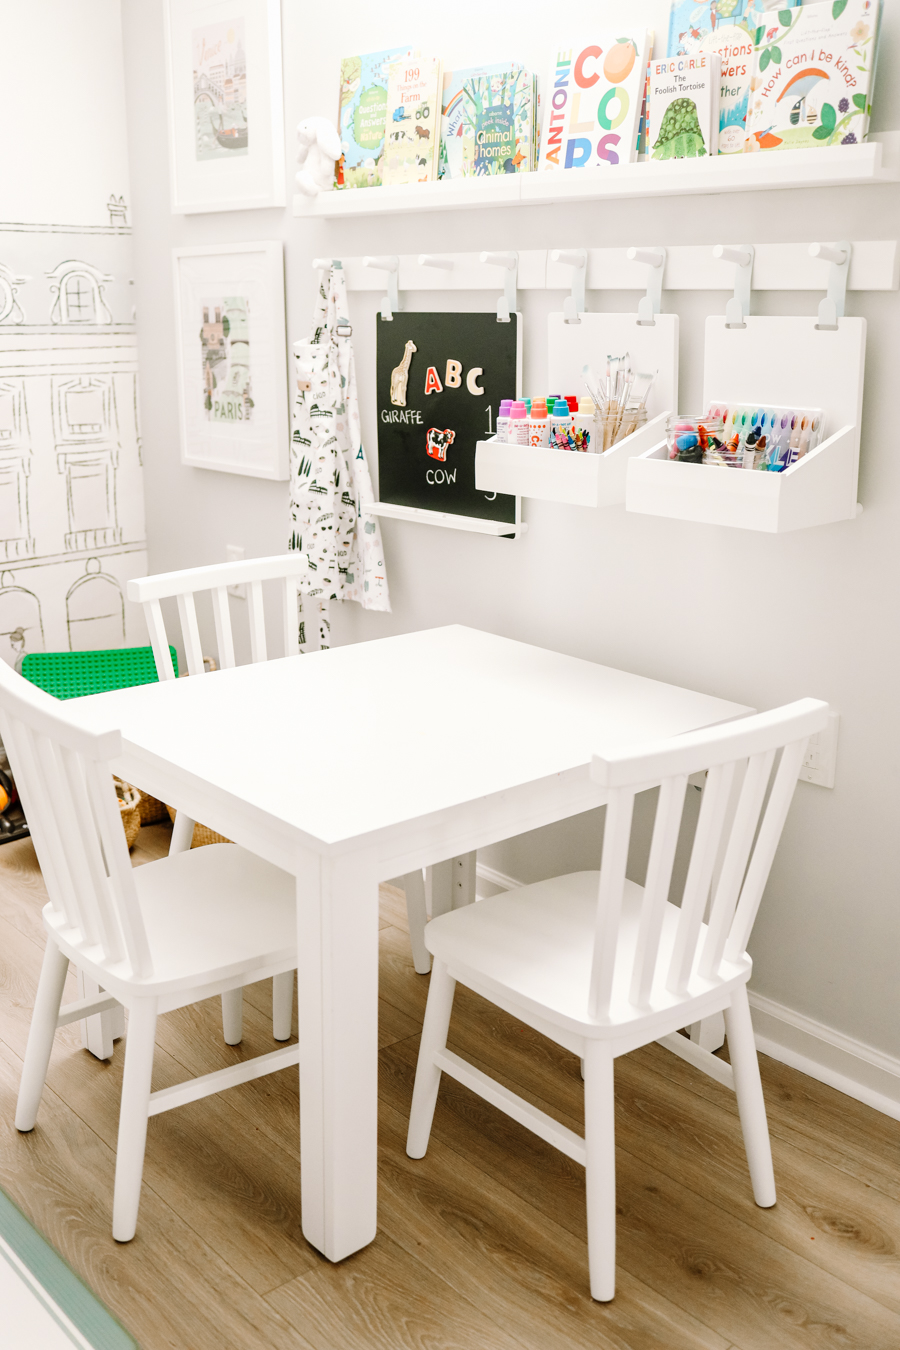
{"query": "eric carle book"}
[(684, 106), (812, 78), (488, 121), (413, 121), (593, 99), (363, 113)]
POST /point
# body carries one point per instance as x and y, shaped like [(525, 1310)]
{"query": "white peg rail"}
[(874, 266), (781, 362), (877, 161)]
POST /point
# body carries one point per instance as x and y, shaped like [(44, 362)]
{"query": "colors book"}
[(593, 99), (812, 76), (363, 113), (684, 107), (413, 121), (488, 121)]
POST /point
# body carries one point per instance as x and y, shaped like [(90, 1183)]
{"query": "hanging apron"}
[(330, 482)]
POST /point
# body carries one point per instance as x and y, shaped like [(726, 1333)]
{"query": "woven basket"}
[(130, 807), (152, 810), (202, 833)]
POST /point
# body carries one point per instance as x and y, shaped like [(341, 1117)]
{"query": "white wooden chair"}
[(603, 966), (250, 574), (155, 938)]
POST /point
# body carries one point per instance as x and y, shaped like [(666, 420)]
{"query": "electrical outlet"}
[(821, 755), (235, 553)]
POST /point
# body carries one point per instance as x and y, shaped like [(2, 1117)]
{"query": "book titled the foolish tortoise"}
[(812, 76), (684, 107), (593, 99)]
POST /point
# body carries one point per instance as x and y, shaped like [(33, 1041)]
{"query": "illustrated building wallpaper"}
[(71, 495)]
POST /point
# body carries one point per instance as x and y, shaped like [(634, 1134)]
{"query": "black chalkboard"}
[(468, 363)]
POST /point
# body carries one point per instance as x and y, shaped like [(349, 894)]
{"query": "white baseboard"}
[(850, 1066), (495, 878)]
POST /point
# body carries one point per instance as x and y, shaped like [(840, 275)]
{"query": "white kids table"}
[(364, 762)]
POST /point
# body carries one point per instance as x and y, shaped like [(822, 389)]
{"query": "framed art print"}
[(226, 118), (232, 371)]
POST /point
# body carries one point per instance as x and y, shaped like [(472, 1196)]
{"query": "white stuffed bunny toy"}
[(319, 146)]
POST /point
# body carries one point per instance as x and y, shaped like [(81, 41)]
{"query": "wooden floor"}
[(481, 1245)]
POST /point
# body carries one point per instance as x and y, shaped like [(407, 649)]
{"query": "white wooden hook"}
[(433, 260), (506, 305), (323, 264), (834, 306), (742, 256), (576, 258), (655, 259), (389, 263)]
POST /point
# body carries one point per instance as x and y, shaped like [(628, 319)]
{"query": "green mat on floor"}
[(45, 1301)]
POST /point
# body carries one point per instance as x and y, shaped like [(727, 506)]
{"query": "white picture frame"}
[(232, 358), (226, 111)]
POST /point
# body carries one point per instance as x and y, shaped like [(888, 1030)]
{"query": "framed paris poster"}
[(226, 117), (232, 368)]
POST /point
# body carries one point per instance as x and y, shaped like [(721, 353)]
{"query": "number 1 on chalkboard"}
[(490, 428)]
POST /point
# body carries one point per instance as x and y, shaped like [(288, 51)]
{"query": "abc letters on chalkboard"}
[(440, 380)]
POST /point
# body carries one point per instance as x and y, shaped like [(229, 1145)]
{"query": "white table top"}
[(344, 743)]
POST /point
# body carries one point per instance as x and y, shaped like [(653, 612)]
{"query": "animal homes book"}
[(592, 101), (488, 121), (413, 121), (812, 76)]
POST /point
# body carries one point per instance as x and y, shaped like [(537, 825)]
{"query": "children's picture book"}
[(684, 107), (363, 112), (690, 23), (735, 48), (592, 101), (488, 121), (413, 121), (812, 76)]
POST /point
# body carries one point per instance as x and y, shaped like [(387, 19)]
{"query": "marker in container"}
[(518, 424), (503, 419), (560, 426), (538, 424), (585, 425)]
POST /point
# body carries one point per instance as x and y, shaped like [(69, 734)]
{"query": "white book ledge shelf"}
[(782, 362), (877, 161)]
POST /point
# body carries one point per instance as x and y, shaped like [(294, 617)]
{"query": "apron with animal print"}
[(330, 482)]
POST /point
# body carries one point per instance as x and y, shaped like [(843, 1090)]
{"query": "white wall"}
[(752, 617)]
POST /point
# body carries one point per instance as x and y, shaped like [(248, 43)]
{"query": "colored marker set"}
[(745, 437), (553, 422)]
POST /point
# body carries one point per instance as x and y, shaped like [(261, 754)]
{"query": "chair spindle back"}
[(737, 833), (183, 586)]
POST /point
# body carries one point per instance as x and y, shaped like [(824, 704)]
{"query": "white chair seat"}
[(195, 908), (536, 945)]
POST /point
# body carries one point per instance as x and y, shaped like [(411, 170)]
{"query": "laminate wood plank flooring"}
[(481, 1245)]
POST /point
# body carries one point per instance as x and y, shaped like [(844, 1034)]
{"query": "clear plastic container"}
[(691, 439)]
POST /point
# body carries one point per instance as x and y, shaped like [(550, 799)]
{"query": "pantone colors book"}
[(363, 113), (684, 107), (812, 77), (413, 121), (592, 101), (488, 121)]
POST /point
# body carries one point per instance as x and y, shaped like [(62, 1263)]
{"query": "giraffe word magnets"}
[(438, 378)]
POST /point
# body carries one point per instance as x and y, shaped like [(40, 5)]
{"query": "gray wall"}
[(756, 618)]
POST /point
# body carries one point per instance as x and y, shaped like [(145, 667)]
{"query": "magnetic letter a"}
[(432, 382)]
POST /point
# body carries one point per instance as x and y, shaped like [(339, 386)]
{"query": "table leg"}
[(337, 938), (453, 884)]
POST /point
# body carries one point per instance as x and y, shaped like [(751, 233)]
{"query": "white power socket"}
[(821, 755), (235, 553)]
